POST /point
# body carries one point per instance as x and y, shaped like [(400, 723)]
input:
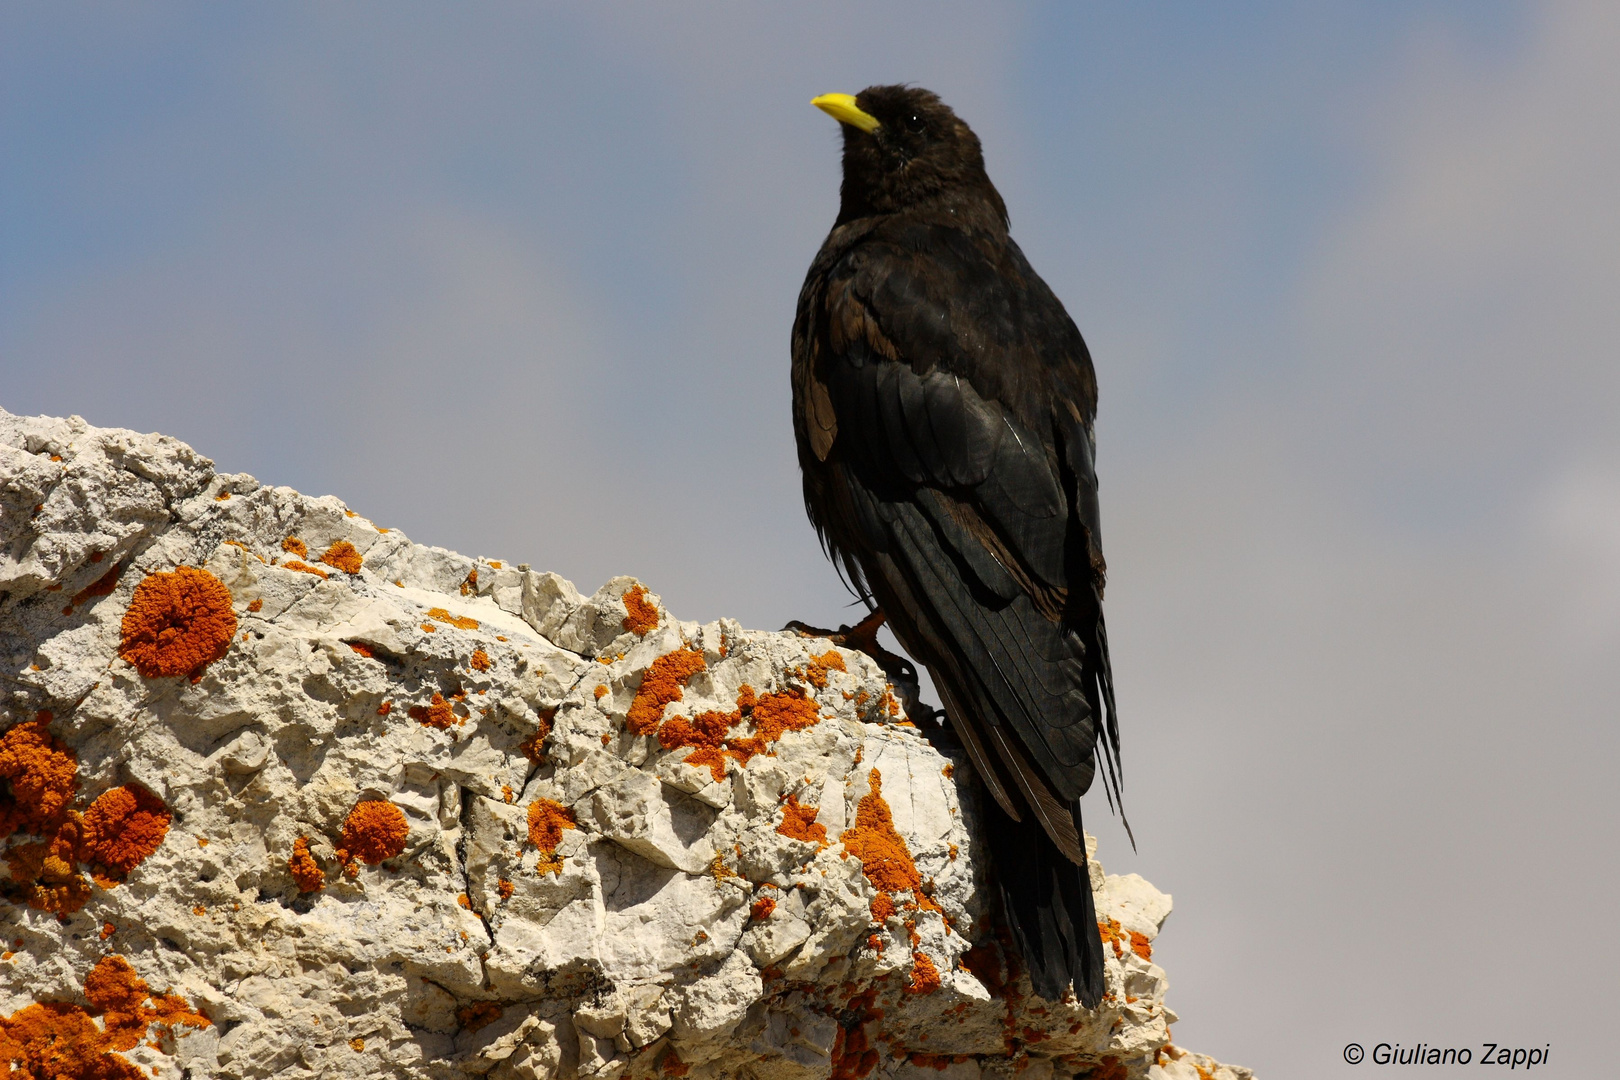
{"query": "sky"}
[(519, 280)]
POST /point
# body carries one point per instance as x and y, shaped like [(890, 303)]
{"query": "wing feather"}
[(959, 398)]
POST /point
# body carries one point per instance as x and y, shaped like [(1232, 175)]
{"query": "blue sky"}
[(519, 281)]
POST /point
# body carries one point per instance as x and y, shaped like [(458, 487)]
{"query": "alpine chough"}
[(943, 404)]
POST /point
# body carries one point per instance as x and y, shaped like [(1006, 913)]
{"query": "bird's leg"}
[(861, 637), (901, 673)]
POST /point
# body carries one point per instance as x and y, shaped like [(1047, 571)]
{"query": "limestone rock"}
[(397, 812)]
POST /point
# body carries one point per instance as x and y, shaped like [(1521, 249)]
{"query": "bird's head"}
[(903, 147)]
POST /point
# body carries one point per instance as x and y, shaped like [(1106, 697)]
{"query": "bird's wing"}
[(956, 402)]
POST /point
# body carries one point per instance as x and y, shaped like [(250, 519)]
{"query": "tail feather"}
[(1050, 911)]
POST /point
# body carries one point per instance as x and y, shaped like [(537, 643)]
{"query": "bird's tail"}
[(1050, 910)]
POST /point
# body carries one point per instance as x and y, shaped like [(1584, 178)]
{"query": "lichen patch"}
[(460, 622), (662, 683), (343, 556), (799, 822), (438, 713), (122, 828), (641, 618), (885, 857), (374, 830), (547, 820), (306, 872), (40, 776), (177, 623), (64, 1041)]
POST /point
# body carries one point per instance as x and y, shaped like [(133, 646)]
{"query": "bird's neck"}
[(969, 210)]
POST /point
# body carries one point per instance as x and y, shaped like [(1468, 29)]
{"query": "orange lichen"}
[(63, 1041), (305, 568), (924, 975), (458, 621), (799, 822), (853, 1055), (1140, 945), (357, 1044), (506, 793), (816, 673), (306, 872), (708, 732), (762, 908), (1111, 1068), (480, 660), (1113, 934), (948, 771), (385, 708), (222, 496), (343, 556), (642, 617), (257, 604), (937, 1062), (882, 907), (295, 546), (547, 820), (122, 827), (662, 684), (706, 735), (471, 584), (479, 1014), (534, 747), (102, 586), (436, 714), (108, 930), (429, 628), (43, 874), (363, 649), (885, 858), (375, 830), (38, 778), (177, 624), (672, 1065), (504, 887), (600, 692), (787, 710)]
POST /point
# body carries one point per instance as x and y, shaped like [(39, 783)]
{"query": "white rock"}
[(670, 919)]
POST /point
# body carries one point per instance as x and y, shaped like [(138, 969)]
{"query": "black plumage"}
[(943, 403)]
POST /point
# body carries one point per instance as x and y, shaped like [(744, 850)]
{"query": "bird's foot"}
[(862, 636), (901, 673)]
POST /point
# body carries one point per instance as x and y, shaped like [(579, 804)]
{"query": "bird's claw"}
[(901, 673)]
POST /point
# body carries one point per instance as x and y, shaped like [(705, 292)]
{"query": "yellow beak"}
[(842, 108)]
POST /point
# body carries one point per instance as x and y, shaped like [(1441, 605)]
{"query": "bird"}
[(944, 405)]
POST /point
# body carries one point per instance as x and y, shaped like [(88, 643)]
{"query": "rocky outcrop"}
[(285, 794)]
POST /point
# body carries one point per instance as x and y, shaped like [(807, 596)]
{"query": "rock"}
[(366, 808)]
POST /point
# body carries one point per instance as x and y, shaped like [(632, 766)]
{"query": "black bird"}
[(943, 404)]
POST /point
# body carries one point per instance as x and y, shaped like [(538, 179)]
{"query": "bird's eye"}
[(914, 124)]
